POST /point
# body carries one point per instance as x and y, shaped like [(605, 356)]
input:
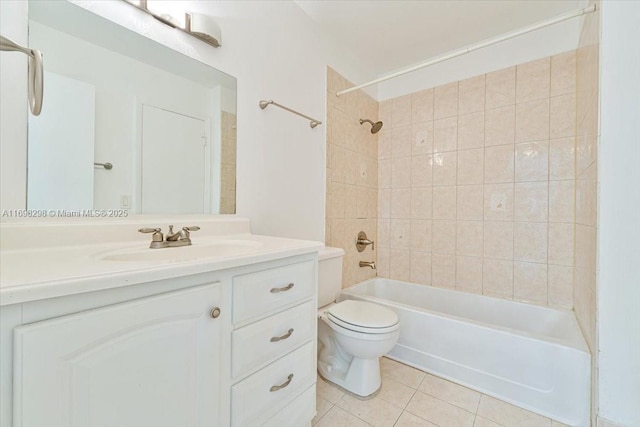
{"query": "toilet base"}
[(345, 391), (360, 378)]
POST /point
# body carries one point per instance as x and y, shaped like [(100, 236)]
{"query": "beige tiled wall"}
[(477, 181), (352, 175), (228, 164)]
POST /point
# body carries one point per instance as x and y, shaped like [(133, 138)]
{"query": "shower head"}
[(375, 127)]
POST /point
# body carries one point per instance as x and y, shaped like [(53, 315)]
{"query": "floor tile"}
[(395, 393), (509, 415), (483, 422), (402, 373), (328, 391), (439, 412), (376, 411), (407, 419), (322, 407), (337, 417), (436, 403), (455, 394)]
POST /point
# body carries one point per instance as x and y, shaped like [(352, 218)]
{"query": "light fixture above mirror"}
[(202, 27)]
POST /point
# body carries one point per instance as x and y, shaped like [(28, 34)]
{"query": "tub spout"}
[(371, 264)]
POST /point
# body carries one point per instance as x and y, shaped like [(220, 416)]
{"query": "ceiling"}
[(388, 35)]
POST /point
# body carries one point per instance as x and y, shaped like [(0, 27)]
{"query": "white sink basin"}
[(211, 249)]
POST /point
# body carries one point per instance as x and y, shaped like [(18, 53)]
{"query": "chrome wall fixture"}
[(36, 72), (312, 122), (200, 26)]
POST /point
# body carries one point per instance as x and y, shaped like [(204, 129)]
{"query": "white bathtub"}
[(533, 357)]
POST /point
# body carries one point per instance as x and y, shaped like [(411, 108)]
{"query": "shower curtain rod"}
[(474, 47)]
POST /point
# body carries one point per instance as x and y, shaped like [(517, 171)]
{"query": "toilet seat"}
[(364, 317)]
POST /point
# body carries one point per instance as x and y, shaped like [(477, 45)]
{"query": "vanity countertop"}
[(34, 272)]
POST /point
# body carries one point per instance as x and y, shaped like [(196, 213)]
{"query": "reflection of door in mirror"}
[(175, 163)]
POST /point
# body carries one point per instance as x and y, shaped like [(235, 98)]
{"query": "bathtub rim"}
[(579, 344)]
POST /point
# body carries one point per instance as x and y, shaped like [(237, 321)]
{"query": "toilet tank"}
[(329, 274)]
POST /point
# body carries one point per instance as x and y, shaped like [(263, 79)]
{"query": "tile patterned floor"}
[(411, 398)]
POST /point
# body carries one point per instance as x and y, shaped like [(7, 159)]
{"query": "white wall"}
[(619, 214)]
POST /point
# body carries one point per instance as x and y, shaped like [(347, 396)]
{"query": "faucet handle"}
[(186, 232), (362, 242), (157, 234), (149, 230)]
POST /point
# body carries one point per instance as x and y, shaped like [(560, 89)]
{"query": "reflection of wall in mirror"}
[(228, 167), (122, 85), (61, 152)]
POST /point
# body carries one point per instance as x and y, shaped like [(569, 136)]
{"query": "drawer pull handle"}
[(215, 312), (282, 289), (283, 337), (283, 385)]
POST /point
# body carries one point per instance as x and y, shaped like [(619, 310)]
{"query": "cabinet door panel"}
[(150, 362)]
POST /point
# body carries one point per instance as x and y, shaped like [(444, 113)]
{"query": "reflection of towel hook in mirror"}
[(108, 166), (36, 83)]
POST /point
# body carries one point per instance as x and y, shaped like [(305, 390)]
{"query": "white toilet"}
[(352, 335)]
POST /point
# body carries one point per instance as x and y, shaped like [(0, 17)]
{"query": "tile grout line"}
[(323, 415), (449, 403)]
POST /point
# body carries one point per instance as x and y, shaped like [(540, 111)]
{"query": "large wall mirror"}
[(127, 123)]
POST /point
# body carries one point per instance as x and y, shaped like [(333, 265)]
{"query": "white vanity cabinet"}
[(149, 362), (159, 354)]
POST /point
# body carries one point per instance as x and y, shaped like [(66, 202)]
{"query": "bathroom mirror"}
[(127, 123)]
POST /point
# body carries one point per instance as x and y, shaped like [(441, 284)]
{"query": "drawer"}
[(257, 398), (258, 293), (269, 338), (300, 412)]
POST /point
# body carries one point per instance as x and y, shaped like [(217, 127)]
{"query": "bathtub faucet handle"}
[(362, 242), (368, 242)]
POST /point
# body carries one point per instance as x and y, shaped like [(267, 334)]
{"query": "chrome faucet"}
[(173, 240), (371, 264)]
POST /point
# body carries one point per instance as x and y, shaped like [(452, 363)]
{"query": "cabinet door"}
[(150, 362)]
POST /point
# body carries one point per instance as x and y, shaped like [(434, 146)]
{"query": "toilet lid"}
[(363, 316)]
